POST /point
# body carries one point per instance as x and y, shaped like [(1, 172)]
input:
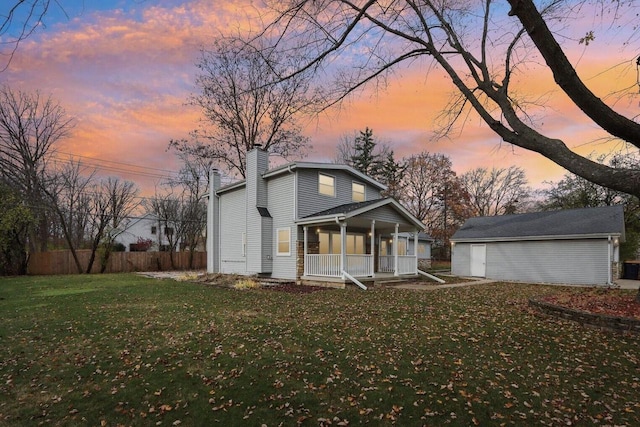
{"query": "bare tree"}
[(30, 126), (112, 204), (433, 193), (167, 208), (480, 48), (424, 186), (68, 196), (245, 102), (497, 191), (192, 184)]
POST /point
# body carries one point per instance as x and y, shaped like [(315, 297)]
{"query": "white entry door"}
[(478, 260)]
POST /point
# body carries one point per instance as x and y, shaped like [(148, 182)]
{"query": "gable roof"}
[(307, 165), (565, 224), (350, 210)]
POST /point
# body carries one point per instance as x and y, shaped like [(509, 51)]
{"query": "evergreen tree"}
[(364, 159)]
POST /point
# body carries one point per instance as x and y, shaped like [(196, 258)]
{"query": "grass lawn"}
[(124, 350)]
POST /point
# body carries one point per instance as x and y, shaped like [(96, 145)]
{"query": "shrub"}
[(243, 284)]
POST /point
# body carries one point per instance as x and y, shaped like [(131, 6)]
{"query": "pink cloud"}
[(127, 75)]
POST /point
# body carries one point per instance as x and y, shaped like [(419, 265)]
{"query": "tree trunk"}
[(566, 77), (104, 260)]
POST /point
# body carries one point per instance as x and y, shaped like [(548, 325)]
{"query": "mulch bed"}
[(608, 302)]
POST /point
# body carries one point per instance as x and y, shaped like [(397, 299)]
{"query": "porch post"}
[(415, 247), (373, 246), (343, 248), (395, 251), (304, 259)]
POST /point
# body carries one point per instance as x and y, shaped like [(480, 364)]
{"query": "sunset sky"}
[(125, 69)]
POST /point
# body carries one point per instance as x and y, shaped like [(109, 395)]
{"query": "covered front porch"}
[(361, 243)]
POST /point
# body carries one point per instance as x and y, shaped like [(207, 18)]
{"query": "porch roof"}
[(353, 210)]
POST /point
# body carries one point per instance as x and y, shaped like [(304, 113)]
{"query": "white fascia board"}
[(533, 238)]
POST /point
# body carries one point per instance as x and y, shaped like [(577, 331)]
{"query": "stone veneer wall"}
[(615, 270), (424, 264), (313, 248)]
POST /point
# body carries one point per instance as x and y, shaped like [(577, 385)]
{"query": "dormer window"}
[(327, 185), (357, 192)]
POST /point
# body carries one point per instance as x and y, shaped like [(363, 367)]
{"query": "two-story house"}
[(307, 222)]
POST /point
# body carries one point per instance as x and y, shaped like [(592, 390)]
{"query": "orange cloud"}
[(126, 76)]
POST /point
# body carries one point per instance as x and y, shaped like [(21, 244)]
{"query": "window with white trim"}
[(283, 241), (357, 192), (402, 246), (422, 250), (326, 185)]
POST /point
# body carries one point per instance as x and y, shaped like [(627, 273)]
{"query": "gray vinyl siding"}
[(232, 225), (280, 205), (311, 201), (371, 193), (578, 262), (386, 214)]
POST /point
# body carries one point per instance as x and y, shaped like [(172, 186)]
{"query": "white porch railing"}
[(406, 264), (329, 265), (385, 263), (359, 265), (322, 265)]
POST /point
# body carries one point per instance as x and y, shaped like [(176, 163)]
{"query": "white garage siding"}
[(461, 259), (578, 262)]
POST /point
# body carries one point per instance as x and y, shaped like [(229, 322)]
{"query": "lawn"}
[(124, 350)]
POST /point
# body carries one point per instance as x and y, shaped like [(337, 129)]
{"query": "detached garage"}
[(576, 246)]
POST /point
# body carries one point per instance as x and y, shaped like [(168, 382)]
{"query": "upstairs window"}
[(357, 192), (154, 229), (327, 185)]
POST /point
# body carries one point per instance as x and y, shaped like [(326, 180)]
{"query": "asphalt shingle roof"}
[(570, 222), (344, 209)]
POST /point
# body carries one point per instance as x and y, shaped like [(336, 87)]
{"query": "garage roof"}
[(570, 223)]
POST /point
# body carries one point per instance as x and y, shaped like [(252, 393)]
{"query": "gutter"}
[(322, 220), (532, 238)]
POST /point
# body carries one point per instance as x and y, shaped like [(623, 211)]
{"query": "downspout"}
[(609, 252)]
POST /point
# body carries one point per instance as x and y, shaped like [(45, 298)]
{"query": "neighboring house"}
[(576, 246), (406, 243), (146, 227), (308, 222)]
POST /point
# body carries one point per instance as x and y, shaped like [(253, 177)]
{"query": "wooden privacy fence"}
[(62, 262)]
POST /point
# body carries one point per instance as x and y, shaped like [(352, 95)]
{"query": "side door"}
[(478, 260)]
